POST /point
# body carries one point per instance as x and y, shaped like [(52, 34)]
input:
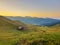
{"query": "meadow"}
[(36, 35)]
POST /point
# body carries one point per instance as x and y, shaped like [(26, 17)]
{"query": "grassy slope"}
[(8, 30), (10, 36)]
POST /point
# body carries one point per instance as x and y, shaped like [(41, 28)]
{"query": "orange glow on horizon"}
[(32, 14)]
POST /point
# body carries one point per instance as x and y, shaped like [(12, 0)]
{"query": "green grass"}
[(41, 35)]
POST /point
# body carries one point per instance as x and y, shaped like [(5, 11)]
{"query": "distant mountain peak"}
[(36, 20)]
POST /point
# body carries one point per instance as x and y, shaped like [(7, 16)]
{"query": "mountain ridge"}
[(6, 23), (36, 20)]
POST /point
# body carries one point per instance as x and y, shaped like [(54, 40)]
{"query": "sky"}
[(33, 8)]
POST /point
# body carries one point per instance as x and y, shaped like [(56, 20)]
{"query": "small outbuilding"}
[(20, 28)]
